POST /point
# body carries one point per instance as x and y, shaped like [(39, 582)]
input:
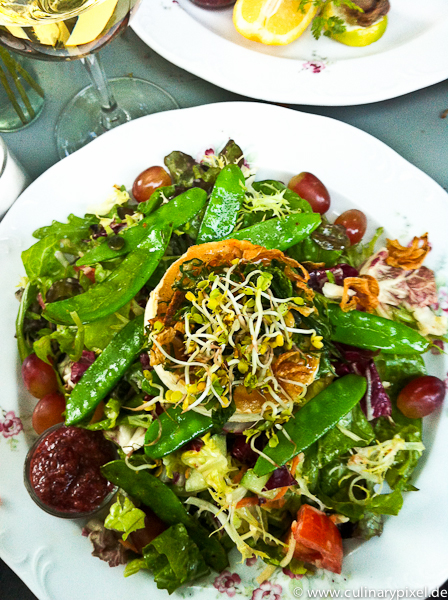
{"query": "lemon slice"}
[(272, 22), (91, 23), (355, 35), (51, 34)]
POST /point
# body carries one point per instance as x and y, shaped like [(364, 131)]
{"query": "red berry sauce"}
[(65, 469)]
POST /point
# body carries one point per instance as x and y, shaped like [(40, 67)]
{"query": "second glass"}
[(21, 97), (70, 29)]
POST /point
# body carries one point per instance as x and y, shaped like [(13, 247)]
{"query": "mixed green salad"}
[(258, 367)]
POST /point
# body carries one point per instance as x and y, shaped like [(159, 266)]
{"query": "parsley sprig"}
[(327, 25)]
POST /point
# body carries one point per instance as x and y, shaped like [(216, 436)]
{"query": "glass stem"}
[(111, 114)]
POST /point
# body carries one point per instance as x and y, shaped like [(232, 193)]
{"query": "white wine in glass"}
[(69, 29)]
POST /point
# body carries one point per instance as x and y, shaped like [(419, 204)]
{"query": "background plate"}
[(49, 554), (411, 55)]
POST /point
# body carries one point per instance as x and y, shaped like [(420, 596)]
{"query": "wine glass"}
[(59, 30)]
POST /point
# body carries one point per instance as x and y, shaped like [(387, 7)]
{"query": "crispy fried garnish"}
[(300, 280), (367, 291), (173, 307), (215, 254), (165, 339), (408, 257), (295, 367), (180, 326), (306, 311), (312, 266), (171, 340)]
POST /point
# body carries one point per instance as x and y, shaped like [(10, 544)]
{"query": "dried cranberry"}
[(280, 478), (242, 451), (194, 445), (144, 361)]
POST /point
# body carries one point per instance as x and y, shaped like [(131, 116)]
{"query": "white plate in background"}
[(411, 55)]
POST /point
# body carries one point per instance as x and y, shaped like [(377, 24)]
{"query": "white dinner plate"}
[(50, 554), (411, 55)]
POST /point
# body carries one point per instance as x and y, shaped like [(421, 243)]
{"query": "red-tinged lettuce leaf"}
[(337, 274), (376, 402), (80, 367), (106, 544)]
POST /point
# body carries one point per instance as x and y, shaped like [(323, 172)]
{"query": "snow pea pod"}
[(104, 374), (177, 211), (371, 332), (177, 429), (225, 202), (120, 287), (279, 233), (156, 199), (143, 486), (313, 420)]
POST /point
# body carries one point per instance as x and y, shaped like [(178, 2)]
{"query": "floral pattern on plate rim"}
[(10, 427), (316, 64), (246, 580)]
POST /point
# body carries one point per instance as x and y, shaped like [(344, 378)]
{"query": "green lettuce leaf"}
[(124, 517), (76, 228), (357, 254), (221, 415), (335, 442), (386, 504), (173, 558), (369, 526), (98, 334), (136, 377), (136, 420), (398, 371), (111, 414), (40, 260), (326, 244), (66, 338), (310, 469)]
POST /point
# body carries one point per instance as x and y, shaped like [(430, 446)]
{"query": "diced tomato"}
[(252, 501), (318, 540)]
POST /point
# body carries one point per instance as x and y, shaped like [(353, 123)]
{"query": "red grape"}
[(148, 182), (421, 396), (310, 188), (48, 412), (355, 223), (38, 376)]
